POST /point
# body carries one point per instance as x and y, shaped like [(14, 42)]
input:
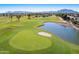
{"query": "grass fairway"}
[(21, 37)]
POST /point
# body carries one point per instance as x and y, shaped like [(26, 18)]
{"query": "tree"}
[(43, 15), (18, 17), (11, 16), (29, 16)]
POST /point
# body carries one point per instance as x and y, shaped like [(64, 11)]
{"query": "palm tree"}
[(11, 16), (29, 16), (18, 17)]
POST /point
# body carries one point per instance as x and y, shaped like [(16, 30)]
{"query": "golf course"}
[(21, 37)]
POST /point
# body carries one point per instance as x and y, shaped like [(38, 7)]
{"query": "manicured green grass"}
[(28, 40), (22, 37)]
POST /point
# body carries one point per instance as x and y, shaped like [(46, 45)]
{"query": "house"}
[(77, 19)]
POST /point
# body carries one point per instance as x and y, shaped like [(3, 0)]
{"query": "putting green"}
[(29, 40)]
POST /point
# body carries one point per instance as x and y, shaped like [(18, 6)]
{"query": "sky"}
[(37, 7)]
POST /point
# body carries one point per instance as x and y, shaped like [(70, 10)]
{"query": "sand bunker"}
[(45, 34)]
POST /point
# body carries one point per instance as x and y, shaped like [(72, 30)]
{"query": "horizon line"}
[(37, 11)]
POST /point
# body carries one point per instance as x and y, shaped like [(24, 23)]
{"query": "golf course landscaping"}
[(21, 37)]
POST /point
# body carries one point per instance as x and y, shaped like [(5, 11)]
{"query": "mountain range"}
[(66, 11), (58, 11)]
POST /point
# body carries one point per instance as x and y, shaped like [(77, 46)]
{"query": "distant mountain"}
[(27, 12), (18, 12), (66, 11), (61, 11)]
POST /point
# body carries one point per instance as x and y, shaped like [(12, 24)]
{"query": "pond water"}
[(66, 33)]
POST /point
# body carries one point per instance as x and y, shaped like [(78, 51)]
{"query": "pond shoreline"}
[(63, 30), (74, 26), (69, 24)]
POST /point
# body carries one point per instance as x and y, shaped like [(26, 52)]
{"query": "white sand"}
[(44, 34)]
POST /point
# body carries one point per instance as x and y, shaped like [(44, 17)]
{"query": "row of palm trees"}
[(29, 16), (18, 17)]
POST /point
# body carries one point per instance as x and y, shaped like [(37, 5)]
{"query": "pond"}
[(64, 32)]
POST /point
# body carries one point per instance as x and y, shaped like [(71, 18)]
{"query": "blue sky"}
[(37, 7)]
